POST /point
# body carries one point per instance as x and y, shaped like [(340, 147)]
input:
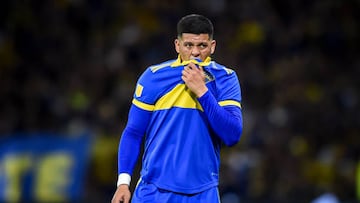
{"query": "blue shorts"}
[(149, 193)]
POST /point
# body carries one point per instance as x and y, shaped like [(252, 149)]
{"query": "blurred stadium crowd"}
[(71, 66)]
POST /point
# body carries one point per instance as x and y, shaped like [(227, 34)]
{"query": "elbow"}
[(234, 138)]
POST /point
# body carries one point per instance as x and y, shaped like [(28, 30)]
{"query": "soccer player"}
[(187, 109)]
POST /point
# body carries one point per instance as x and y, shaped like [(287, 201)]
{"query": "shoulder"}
[(155, 68), (220, 69), (155, 73)]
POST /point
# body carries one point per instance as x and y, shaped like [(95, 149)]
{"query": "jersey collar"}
[(179, 62)]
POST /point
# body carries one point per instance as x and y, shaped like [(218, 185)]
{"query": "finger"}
[(183, 78), (192, 66), (126, 199), (184, 73), (187, 70), (116, 201)]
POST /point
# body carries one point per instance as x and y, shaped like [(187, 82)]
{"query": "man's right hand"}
[(122, 194)]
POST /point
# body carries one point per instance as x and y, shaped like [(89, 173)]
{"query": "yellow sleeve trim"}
[(230, 102), (142, 105)]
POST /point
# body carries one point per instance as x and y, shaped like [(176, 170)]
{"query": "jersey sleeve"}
[(146, 92), (226, 121), (224, 111), (131, 139), (229, 91), (138, 118)]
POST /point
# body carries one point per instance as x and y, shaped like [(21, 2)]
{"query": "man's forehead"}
[(189, 37)]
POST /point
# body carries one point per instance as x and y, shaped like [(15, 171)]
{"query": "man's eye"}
[(188, 45)]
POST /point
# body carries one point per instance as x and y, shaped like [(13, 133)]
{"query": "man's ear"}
[(213, 46), (177, 45)]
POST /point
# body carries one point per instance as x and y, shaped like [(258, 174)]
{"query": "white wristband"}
[(123, 178)]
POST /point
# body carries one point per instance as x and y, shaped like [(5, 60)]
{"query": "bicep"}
[(138, 119)]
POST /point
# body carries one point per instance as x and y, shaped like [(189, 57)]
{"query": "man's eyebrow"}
[(199, 43)]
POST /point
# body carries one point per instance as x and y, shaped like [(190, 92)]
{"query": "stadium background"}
[(68, 67)]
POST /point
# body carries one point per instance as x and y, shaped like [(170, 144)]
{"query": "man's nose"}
[(195, 51)]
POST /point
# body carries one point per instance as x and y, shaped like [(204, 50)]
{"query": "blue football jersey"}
[(182, 153)]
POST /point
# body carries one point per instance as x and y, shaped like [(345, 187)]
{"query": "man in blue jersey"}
[(187, 109)]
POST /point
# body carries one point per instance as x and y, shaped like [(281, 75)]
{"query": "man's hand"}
[(194, 79), (122, 194)]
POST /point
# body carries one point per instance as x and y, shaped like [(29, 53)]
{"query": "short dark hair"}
[(195, 24)]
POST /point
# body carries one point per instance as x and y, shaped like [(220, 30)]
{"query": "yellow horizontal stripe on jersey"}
[(142, 105), (230, 102), (181, 97)]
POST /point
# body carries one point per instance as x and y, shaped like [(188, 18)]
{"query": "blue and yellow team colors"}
[(161, 90)]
